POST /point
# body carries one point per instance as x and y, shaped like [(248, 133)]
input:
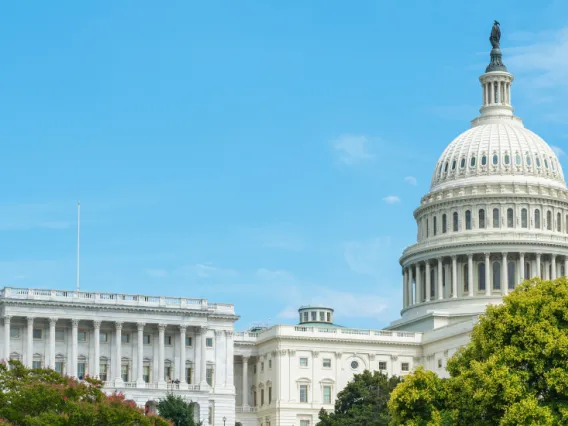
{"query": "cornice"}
[(327, 339)]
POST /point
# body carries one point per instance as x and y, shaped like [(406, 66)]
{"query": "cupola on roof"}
[(498, 148)]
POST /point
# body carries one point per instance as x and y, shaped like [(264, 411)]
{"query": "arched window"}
[(481, 276), (524, 218), (444, 223), (495, 218), (484, 160), (462, 163), (546, 163), (511, 275), (481, 219), (432, 283), (465, 278), (510, 218), (446, 167), (537, 161), (529, 161), (453, 165), (549, 220), (552, 164), (527, 270), (495, 159), (468, 220), (496, 276), (517, 159), (440, 170), (455, 221), (507, 159), (558, 222), (472, 161), (537, 218), (434, 226)]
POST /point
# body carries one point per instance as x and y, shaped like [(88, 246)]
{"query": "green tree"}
[(177, 410), (362, 402), (34, 397), (514, 371)]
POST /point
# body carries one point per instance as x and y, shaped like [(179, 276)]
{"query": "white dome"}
[(500, 151)]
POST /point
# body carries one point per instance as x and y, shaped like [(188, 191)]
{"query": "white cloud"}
[(368, 257), (206, 271), (558, 151), (411, 180), (352, 149), (391, 199)]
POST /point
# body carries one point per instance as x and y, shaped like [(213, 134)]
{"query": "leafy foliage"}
[(362, 402), (177, 410), (43, 397), (514, 371)]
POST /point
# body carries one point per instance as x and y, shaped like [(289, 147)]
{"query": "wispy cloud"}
[(411, 180), (352, 149), (202, 270), (391, 199), (558, 151), (367, 257)]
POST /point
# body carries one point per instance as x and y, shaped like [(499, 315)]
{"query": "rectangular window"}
[(209, 342), (14, 332), (405, 366), (168, 340), (147, 339), (59, 367), (322, 316), (36, 364), (303, 393), (81, 336), (188, 341), (38, 333), (146, 373), (304, 423), (262, 366), (382, 365), (439, 363), (270, 394), (327, 363), (125, 338), (254, 399), (188, 375), (328, 317), (124, 373), (254, 369), (327, 394), (103, 369), (303, 362), (81, 367), (59, 334), (209, 376), (261, 397), (314, 317), (269, 364), (210, 415), (103, 337), (306, 318), (167, 373)]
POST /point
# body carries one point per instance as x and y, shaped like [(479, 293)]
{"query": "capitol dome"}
[(496, 215)]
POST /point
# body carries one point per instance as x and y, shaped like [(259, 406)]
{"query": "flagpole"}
[(78, 246)]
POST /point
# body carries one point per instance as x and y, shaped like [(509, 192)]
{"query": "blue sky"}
[(266, 154)]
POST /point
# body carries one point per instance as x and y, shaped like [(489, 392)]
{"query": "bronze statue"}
[(495, 36)]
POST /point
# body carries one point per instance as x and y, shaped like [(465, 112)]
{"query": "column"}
[(428, 283), (566, 266), (504, 274), (410, 290), (51, 361), (491, 92), (203, 366), (454, 277), (197, 356), (96, 363), (181, 368), (220, 359), (245, 381), (553, 267), (419, 295), (509, 99), (229, 373), (140, 342), (487, 275), (74, 348), (161, 356), (521, 268), (118, 356), (30, 343), (440, 282), (404, 289), (7, 319), (538, 265), (470, 274)]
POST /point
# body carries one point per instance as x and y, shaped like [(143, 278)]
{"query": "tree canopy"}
[(177, 410), (362, 402), (43, 397), (514, 371)]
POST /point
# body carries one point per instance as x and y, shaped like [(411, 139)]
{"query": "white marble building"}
[(496, 213)]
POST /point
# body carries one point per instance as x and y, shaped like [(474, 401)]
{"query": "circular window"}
[(354, 365), (472, 162), (484, 160), (495, 159)]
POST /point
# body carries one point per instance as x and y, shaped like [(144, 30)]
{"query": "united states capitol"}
[(496, 213)]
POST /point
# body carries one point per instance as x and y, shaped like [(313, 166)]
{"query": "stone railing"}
[(245, 409), (119, 299), (329, 333), (168, 386)]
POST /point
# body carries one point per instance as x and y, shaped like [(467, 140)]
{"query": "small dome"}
[(498, 152)]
